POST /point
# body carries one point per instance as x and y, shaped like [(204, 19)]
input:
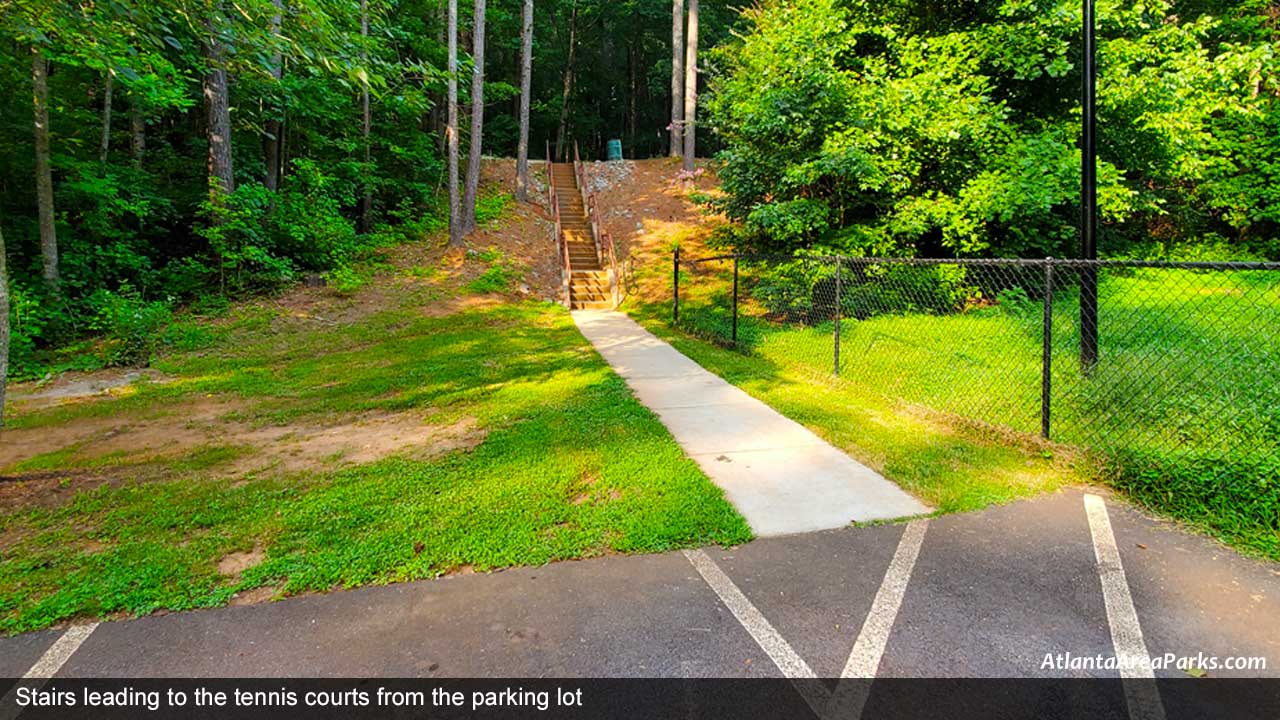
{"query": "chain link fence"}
[(1174, 382)]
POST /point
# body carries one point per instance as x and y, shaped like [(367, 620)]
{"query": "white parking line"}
[(47, 666), (864, 660), (769, 640), (60, 652), (851, 693), (1141, 694)]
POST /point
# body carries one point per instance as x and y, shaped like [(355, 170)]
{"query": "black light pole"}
[(1089, 199)]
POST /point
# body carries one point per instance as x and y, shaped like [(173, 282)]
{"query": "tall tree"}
[(104, 150), (526, 82), (274, 128), (477, 121), (137, 131), (366, 202), (677, 77), (4, 325), (691, 87), (218, 107), (44, 171), (561, 145), (455, 202)]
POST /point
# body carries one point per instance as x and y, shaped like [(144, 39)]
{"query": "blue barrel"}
[(614, 150)]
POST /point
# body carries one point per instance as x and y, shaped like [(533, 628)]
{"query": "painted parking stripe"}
[(769, 640), (851, 692), (864, 660), (793, 667), (47, 666), (1141, 694), (60, 652)]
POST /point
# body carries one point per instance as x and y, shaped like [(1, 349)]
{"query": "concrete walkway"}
[(779, 475)]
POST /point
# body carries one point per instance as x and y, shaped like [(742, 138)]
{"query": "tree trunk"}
[(273, 139), (137, 132), (691, 88), (677, 77), (526, 81), (4, 325), (451, 132), (105, 149), (561, 149), (439, 124), (218, 105), (633, 61), (477, 121), (44, 171), (366, 203)]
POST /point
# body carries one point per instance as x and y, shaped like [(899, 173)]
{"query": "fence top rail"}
[(997, 262)]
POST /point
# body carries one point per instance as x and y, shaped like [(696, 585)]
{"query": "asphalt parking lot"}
[(1010, 591)]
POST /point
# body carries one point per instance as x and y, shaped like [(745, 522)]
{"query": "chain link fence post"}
[(735, 300), (1046, 369), (838, 318), (675, 285)]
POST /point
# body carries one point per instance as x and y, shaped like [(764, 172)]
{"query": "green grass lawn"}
[(567, 465), (948, 467), (1182, 410)]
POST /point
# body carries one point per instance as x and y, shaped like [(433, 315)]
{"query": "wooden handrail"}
[(605, 249), (561, 245)]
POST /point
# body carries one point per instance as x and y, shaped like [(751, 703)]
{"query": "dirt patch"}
[(53, 488), (74, 386), (299, 448), (255, 596), (236, 563), (186, 426), (138, 450), (648, 209), (457, 304)]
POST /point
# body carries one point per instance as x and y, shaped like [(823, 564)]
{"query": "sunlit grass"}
[(570, 465), (1182, 409)]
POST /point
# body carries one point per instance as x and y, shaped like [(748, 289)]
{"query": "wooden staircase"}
[(588, 279)]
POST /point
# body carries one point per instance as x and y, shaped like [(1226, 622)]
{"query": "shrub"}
[(131, 327)]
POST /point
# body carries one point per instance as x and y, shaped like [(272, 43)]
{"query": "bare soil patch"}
[(300, 448), (255, 596), (234, 564), (136, 450), (76, 386), (648, 210)]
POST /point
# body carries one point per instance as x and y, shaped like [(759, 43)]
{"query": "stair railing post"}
[(675, 286), (735, 300)]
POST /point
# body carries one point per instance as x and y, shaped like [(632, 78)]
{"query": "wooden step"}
[(591, 305)]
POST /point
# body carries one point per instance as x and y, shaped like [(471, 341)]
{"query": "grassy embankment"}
[(297, 455)]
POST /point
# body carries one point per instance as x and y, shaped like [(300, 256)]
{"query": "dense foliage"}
[(135, 230), (138, 228), (951, 128)]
